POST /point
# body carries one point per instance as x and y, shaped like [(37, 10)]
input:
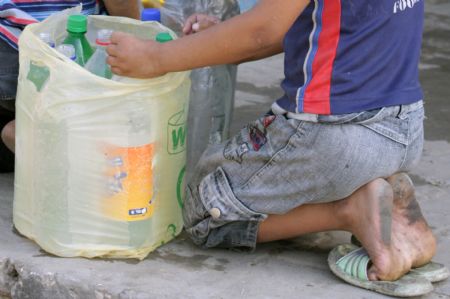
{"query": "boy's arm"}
[(260, 30), (275, 49), (123, 8), (199, 22)]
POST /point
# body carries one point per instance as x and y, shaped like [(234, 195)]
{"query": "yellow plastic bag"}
[(99, 164)]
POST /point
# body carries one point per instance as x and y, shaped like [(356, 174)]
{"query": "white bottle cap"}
[(104, 37)]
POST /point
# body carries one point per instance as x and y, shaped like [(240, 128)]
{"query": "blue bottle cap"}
[(151, 14)]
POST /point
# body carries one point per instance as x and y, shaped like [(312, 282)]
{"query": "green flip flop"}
[(433, 272), (350, 263)]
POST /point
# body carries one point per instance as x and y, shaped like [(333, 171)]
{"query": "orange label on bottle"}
[(130, 182)]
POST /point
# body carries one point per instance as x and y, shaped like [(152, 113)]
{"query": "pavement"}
[(288, 269)]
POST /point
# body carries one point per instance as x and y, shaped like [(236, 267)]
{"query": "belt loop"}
[(400, 109)]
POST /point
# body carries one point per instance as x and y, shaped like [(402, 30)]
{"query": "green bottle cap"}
[(163, 37), (77, 23)]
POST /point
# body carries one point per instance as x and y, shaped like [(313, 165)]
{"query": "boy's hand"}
[(199, 22), (133, 57)]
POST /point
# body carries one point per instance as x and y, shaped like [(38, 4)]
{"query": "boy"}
[(351, 115), (14, 16)]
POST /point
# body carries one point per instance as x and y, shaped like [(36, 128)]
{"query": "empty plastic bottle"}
[(97, 64), (46, 37), (68, 51), (212, 90), (77, 28)]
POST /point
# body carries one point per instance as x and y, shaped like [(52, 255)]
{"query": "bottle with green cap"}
[(76, 29)]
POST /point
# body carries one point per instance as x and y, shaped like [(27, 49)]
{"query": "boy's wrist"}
[(155, 55), (148, 67)]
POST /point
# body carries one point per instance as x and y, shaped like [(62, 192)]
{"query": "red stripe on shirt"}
[(317, 94), (9, 35), (20, 20)]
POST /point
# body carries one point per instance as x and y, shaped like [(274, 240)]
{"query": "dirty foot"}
[(387, 220), (369, 212), (409, 224)]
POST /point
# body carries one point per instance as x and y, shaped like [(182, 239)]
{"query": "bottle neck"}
[(76, 34), (101, 43)]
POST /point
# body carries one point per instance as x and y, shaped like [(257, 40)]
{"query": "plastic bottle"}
[(151, 14), (77, 28), (131, 163), (68, 51), (97, 64), (129, 159), (46, 37), (212, 89)]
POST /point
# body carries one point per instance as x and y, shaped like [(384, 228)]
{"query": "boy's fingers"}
[(201, 25), (188, 24), (117, 37), (116, 71), (187, 30), (111, 50), (213, 19), (112, 61), (204, 23)]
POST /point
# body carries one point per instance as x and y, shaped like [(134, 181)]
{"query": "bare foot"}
[(8, 135), (409, 222), (387, 220), (369, 213)]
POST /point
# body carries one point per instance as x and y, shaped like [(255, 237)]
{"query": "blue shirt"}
[(351, 56)]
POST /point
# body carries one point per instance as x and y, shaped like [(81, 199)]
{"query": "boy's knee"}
[(8, 135)]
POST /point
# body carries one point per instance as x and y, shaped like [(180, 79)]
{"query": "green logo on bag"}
[(176, 131), (180, 186)]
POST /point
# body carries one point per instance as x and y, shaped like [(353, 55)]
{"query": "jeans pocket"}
[(219, 200), (213, 206), (282, 143), (391, 127)]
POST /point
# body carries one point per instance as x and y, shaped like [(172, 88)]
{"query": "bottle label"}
[(129, 182)]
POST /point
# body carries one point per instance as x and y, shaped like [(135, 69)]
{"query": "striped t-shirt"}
[(16, 14)]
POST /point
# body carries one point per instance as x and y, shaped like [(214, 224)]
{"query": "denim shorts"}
[(276, 164), (9, 70)]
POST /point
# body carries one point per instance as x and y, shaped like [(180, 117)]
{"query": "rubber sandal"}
[(433, 272), (350, 263)]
